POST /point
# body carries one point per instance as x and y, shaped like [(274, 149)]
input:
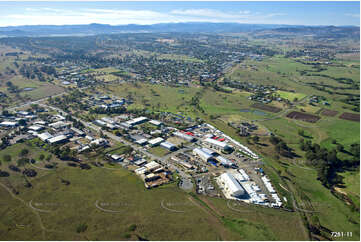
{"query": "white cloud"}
[(245, 12), (55, 16), (354, 15), (211, 13)]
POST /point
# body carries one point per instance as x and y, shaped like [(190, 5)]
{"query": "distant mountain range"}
[(93, 29)]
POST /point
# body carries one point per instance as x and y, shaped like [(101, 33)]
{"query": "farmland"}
[(303, 116)]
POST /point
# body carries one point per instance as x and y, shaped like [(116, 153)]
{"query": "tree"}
[(22, 122), (274, 140), (340, 147), (41, 157), (30, 172), (7, 158), (81, 228), (48, 158), (301, 132), (22, 161), (355, 150), (24, 152), (255, 139)]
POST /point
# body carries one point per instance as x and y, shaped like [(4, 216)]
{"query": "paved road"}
[(41, 100)]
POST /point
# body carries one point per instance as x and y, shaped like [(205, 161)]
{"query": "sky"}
[(119, 13)]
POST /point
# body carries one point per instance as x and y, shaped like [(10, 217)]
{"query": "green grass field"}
[(123, 192), (291, 95), (332, 213), (352, 186), (159, 151)]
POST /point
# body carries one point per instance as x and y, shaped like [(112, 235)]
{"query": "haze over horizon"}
[(147, 13)]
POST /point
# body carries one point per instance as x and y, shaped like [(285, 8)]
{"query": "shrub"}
[(14, 168), (132, 227), (81, 228), (4, 174), (24, 152), (7, 158), (30, 172)]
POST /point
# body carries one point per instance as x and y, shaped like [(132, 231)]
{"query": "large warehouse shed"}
[(202, 154), (231, 185), (218, 145)]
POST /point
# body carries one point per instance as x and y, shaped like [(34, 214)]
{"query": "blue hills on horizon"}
[(188, 27)]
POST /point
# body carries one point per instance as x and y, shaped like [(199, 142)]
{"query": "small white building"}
[(100, 123), (9, 124), (57, 139), (151, 166), (99, 142), (117, 158), (108, 120), (156, 141), (59, 125), (168, 146), (83, 148), (36, 127), (141, 141), (140, 170), (78, 131), (140, 162), (224, 161), (136, 121), (45, 136), (155, 122)]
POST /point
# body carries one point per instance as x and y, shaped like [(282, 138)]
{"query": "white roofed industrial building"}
[(35, 127), (156, 141), (136, 121), (231, 185), (168, 145), (202, 154), (152, 165), (8, 124), (155, 122), (217, 144), (57, 139), (224, 161), (45, 136), (186, 137)]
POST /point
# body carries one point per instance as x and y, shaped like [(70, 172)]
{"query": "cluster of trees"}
[(66, 101), (327, 161), (195, 101), (31, 71), (30, 172), (64, 153), (101, 110), (12, 88), (281, 147), (77, 124)]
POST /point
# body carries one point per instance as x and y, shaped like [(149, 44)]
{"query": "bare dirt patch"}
[(303, 116), (328, 112), (265, 107), (350, 116)]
